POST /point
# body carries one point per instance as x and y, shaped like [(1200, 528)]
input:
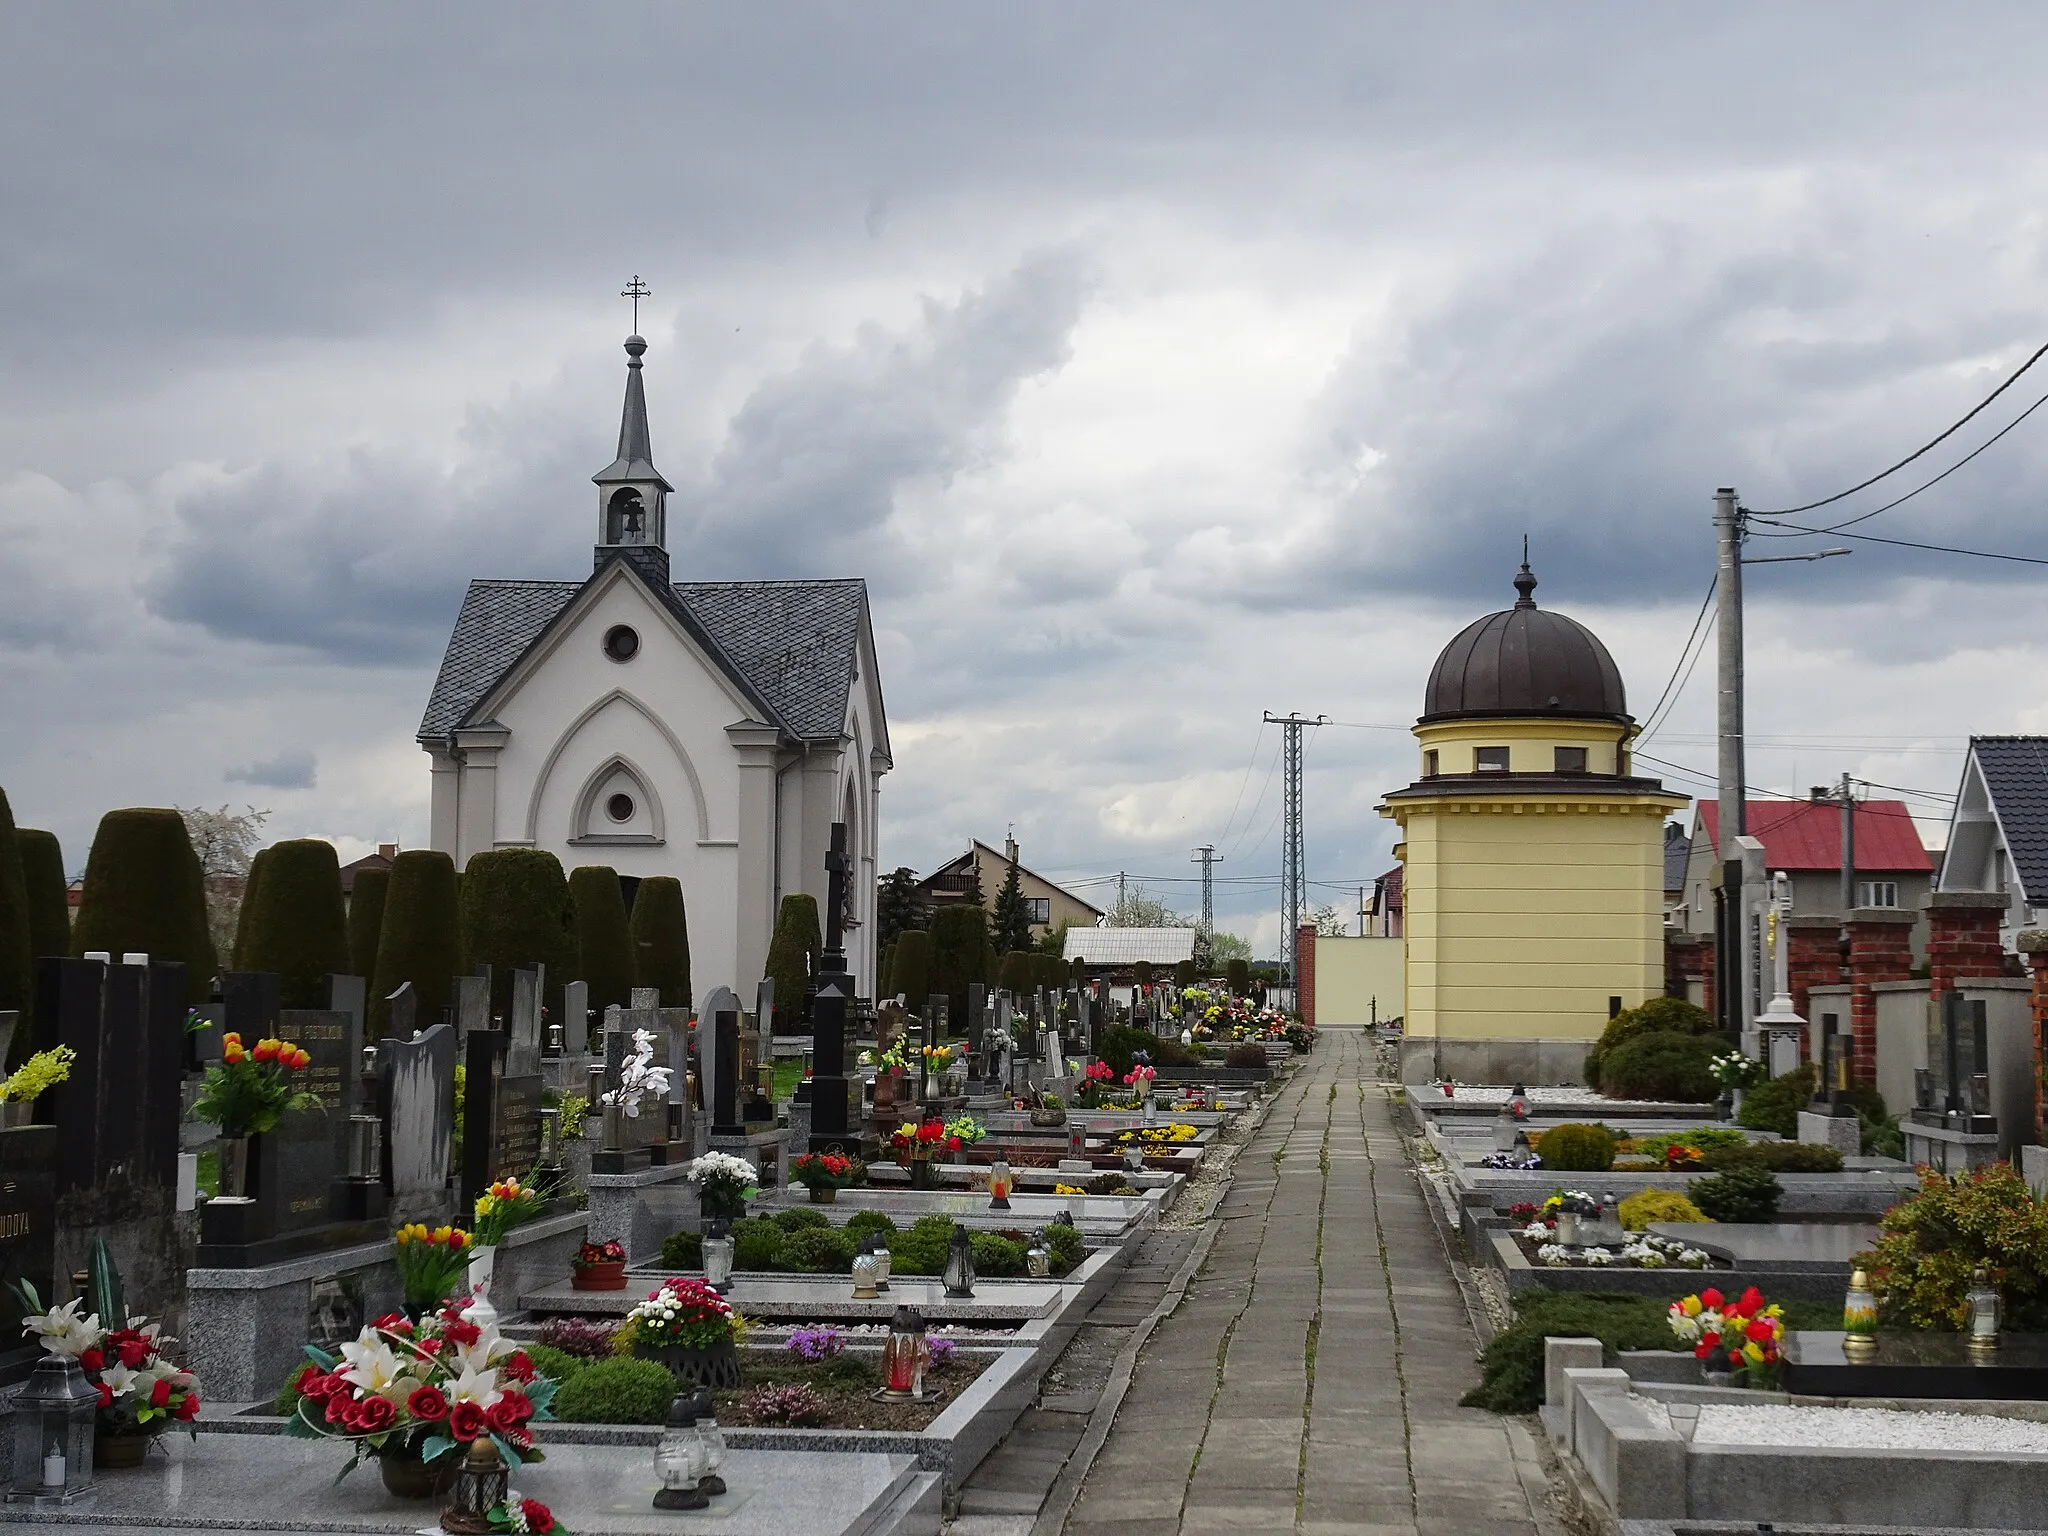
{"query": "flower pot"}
[(112, 1453), (407, 1477), (1048, 1117), (718, 1366), (885, 1090), (824, 1194), (598, 1277), (921, 1173), (15, 1113), (233, 1178)]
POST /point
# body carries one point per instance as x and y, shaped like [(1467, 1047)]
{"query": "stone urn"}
[(1054, 1114)]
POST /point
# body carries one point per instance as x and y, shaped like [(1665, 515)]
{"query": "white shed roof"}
[(1127, 946)]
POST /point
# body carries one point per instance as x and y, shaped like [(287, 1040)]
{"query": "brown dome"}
[(1525, 661)]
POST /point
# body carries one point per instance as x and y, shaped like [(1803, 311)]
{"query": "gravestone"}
[(719, 1000), (725, 1088), (418, 1078), (758, 1091), (502, 1089), (473, 1003), (976, 996), (405, 1008), (682, 1134), (575, 1018)]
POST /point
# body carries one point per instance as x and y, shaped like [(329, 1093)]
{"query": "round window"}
[(619, 807), (622, 643)]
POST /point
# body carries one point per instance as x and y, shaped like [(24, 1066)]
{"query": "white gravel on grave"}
[(1867, 1429)]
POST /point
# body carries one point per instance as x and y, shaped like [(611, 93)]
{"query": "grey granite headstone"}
[(614, 1046), (473, 1002), (718, 1000), (576, 1016), (421, 1075), (522, 1050), (646, 997)]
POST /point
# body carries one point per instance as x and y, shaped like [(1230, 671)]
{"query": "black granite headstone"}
[(725, 1094), (28, 1235)]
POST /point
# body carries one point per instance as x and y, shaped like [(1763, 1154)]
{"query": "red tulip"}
[(1710, 1297)]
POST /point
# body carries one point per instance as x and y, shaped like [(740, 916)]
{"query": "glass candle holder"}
[(1000, 1182)]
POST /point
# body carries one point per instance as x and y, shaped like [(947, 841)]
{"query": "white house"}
[(712, 731), (1998, 834)]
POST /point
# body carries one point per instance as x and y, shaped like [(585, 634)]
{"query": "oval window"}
[(621, 642), (619, 807)]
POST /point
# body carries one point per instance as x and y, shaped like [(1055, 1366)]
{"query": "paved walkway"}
[(1309, 1381)]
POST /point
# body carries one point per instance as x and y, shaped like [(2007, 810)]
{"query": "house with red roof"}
[(1804, 839)]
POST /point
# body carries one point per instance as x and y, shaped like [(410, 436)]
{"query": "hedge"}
[(419, 941), (960, 957), (660, 935), (17, 971), (792, 957), (910, 968), (514, 912), (294, 923), (366, 920), (1670, 1067), (1018, 974), (49, 923), (144, 892), (1237, 975), (604, 946), (245, 911)]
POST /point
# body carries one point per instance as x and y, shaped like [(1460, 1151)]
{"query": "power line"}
[(1925, 448), (1691, 635), (1264, 785), (1241, 783), (1939, 549), (1864, 517)]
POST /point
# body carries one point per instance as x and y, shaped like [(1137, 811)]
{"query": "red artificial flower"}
[(374, 1414), (1752, 1301), (464, 1333), (393, 1322), (188, 1410), (311, 1383), (517, 1366), (509, 1412), (432, 1346), (952, 1143), (466, 1421), (338, 1406), (429, 1403), (92, 1362), (538, 1516), (266, 1050), (519, 1437), (1760, 1330), (1710, 1297), (160, 1394), (106, 1395), (132, 1348)]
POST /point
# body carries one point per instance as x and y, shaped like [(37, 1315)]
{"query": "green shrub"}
[(910, 968), (49, 927), (1880, 1136), (245, 911), (817, 1250), (1654, 1016), (757, 1243), (296, 924), (1577, 1148), (621, 1391), (556, 1365), (1774, 1157), (961, 956), (1237, 975), (1120, 1043), (1017, 972), (996, 1255), (1670, 1067), (860, 1223), (799, 1217), (660, 932), (1169, 1052), (604, 948), (366, 920), (144, 891), (1184, 974), (1702, 1138), (1648, 1205), (515, 912), (682, 1250), (1066, 1245), (1929, 1244), (1511, 1367), (885, 971), (1775, 1105), (1246, 1054), (1740, 1195), (17, 962), (921, 1250), (419, 941), (792, 958)]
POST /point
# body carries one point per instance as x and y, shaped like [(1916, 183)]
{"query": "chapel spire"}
[(632, 495)]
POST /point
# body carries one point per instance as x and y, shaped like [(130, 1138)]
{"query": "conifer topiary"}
[(295, 922), (792, 957), (420, 940), (49, 925), (144, 893), (245, 913), (1184, 973), (17, 972), (1237, 975), (960, 956), (1017, 972), (885, 965), (515, 913), (910, 968), (366, 920), (604, 947), (660, 934)]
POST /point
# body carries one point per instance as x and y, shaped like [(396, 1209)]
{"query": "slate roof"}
[(2015, 770), (794, 643), (1677, 849), (1807, 834)]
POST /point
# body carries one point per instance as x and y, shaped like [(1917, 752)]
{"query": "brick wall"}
[(1962, 938), (1880, 949), (1689, 957), (1305, 981), (2033, 947), (1814, 959)]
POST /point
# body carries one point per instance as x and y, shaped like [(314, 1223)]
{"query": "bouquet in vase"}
[(923, 1142), (142, 1391), (431, 1262), (826, 1170), (724, 1184), (1743, 1336), (248, 1091), (502, 1207)]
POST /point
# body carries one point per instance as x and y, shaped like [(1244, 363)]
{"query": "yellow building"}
[(1532, 857)]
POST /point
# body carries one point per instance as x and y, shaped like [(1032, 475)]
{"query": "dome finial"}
[(1525, 580)]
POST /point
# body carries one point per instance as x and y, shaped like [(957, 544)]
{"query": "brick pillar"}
[(1962, 938), (1683, 955), (2033, 947), (1305, 977), (1880, 949), (1814, 959)]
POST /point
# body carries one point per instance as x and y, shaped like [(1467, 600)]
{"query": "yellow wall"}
[(1525, 912), (1357, 980), (1530, 743)]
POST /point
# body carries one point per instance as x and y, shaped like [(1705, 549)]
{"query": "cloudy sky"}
[(1156, 365)]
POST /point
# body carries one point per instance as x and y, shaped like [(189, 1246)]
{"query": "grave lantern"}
[(1134, 1157), (959, 1276), (883, 1259), (1859, 1321), (1038, 1257), (1984, 1317), (864, 1270), (1000, 1182), (714, 1442), (718, 1246), (479, 1483), (1518, 1102), (556, 1042), (53, 1429), (679, 1459), (905, 1356)]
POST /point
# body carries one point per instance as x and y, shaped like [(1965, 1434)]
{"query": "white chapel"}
[(709, 730)]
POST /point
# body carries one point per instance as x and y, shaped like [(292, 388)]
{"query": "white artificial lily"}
[(64, 1332), (479, 1386), (372, 1366)]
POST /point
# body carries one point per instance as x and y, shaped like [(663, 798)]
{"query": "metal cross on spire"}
[(636, 290)]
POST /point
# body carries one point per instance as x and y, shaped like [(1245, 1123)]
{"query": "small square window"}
[(1429, 763), (1039, 908), (1491, 760), (1571, 759), (1877, 893)]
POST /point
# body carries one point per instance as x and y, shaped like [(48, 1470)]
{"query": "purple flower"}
[(942, 1353), (812, 1345)]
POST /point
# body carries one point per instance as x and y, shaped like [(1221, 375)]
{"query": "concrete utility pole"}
[(1848, 793), (1732, 997), (1293, 893), (1207, 857)]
